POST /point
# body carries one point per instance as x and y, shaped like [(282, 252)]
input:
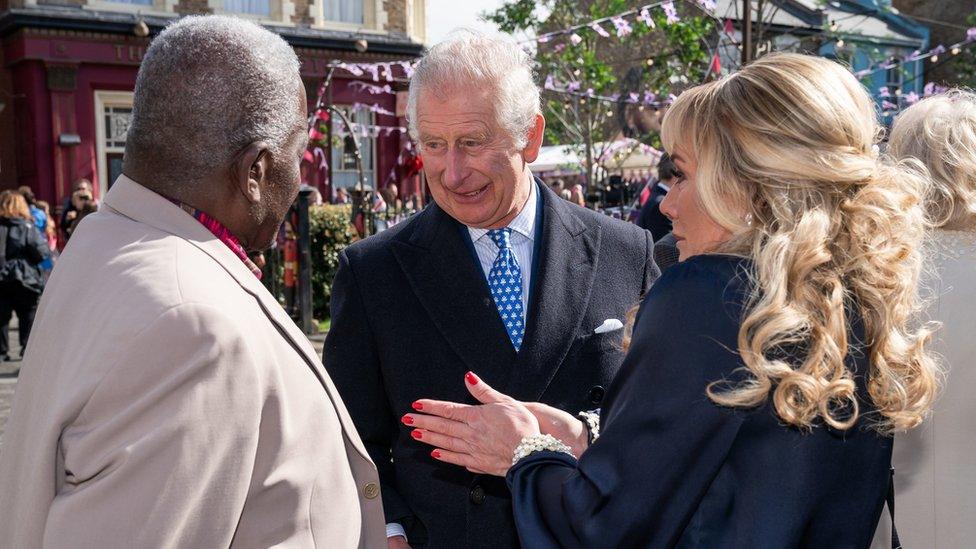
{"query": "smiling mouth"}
[(473, 195)]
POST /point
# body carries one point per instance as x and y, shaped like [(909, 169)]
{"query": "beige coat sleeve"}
[(162, 453)]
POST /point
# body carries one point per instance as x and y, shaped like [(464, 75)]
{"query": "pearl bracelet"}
[(592, 421), (539, 443)]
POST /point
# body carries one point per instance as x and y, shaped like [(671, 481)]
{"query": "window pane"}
[(346, 11), (344, 172), (136, 2), (253, 7)]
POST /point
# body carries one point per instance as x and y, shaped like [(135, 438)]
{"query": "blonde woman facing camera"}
[(767, 370), (936, 465)]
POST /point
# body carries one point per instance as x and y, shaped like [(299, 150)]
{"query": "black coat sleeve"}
[(36, 248), (351, 359), (663, 441), (651, 269)]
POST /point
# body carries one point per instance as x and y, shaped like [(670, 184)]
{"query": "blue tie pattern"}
[(505, 281)]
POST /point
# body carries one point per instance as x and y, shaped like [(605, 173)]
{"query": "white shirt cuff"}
[(394, 529)]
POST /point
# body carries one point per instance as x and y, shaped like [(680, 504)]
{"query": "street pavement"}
[(10, 369)]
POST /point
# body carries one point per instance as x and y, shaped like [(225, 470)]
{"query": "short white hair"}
[(471, 60), (207, 87)]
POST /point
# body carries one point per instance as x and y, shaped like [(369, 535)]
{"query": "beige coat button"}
[(371, 490)]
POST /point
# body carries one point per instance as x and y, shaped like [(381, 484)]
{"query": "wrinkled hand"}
[(480, 438)]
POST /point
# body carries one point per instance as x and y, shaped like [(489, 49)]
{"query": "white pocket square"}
[(608, 325)]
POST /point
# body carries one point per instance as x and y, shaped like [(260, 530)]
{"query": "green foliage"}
[(965, 63), (330, 233), (662, 59)]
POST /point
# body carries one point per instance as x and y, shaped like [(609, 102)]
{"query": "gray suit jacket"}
[(168, 401)]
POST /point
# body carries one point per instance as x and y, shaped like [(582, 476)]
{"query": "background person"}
[(935, 465), (21, 280), (651, 218)]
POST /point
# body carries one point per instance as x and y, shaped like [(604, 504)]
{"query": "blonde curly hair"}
[(786, 161), (940, 132)]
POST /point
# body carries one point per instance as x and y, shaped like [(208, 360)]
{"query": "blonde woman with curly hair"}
[(767, 370), (936, 464)]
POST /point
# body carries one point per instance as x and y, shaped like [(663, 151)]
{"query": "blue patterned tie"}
[(505, 281)]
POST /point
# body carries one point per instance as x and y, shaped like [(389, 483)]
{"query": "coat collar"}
[(451, 287), (140, 204)]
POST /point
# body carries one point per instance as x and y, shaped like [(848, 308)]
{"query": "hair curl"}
[(786, 161)]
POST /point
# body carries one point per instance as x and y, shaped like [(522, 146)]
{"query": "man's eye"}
[(470, 143)]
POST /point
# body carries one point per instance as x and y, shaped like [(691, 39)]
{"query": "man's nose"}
[(456, 170)]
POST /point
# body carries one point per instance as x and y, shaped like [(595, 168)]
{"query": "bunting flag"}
[(917, 55), (621, 25)]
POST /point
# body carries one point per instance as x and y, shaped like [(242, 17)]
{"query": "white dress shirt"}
[(522, 241)]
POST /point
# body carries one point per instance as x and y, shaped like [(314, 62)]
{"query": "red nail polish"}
[(416, 434), (471, 378), (436, 454), (407, 420), (417, 406)]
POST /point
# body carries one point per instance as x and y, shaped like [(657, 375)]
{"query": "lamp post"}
[(746, 31)]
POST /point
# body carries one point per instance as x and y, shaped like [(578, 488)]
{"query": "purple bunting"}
[(599, 30), (622, 26), (671, 12)]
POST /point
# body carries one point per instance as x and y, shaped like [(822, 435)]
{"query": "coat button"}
[(477, 495), (371, 490), (595, 396)]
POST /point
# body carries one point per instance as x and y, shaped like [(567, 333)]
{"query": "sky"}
[(443, 16)]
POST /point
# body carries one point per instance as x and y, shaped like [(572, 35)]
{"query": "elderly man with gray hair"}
[(498, 276), (166, 399)]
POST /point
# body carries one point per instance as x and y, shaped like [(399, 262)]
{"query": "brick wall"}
[(396, 16)]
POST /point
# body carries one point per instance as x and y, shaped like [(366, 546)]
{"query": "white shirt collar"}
[(524, 222)]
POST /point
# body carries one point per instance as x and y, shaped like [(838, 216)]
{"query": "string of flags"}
[(620, 22), (382, 69), (647, 98), (894, 101), (933, 55)]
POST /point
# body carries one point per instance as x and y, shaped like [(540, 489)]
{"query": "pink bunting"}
[(599, 30)]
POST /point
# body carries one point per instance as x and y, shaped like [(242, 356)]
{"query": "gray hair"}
[(469, 59), (207, 87)]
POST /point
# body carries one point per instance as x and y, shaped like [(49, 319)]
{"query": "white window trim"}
[(374, 18), (282, 12), (162, 8), (106, 99), (373, 143)]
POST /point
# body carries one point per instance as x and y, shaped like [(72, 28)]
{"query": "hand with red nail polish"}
[(480, 438)]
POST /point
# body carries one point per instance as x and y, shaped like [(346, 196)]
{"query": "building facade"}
[(68, 70)]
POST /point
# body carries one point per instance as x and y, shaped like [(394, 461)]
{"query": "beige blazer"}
[(935, 464), (168, 401)]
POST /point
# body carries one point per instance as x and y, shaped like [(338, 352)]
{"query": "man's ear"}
[(250, 170), (536, 135)]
